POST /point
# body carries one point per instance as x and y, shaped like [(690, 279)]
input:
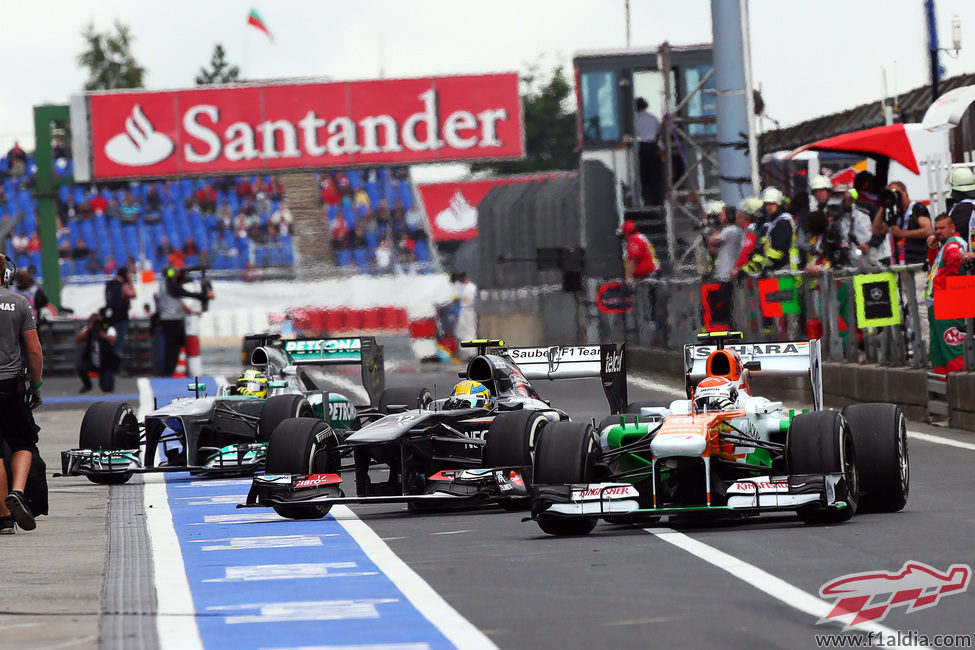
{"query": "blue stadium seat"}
[(422, 251), (343, 257), (355, 180), (361, 257)]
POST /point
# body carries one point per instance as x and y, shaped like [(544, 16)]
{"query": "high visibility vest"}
[(772, 255)]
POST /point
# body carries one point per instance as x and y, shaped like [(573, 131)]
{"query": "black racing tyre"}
[(510, 442), (880, 437), (109, 426), (302, 446), (511, 438), (413, 398), (279, 408), (565, 452), (820, 443)]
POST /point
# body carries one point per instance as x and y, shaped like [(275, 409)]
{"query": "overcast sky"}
[(811, 57)]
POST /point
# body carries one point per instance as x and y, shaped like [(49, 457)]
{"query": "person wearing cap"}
[(640, 259), (963, 211)]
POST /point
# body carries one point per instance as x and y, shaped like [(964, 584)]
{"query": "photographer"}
[(98, 352), (908, 223)]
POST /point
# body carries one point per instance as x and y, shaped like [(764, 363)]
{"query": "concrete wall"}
[(518, 329), (843, 384), (961, 400)]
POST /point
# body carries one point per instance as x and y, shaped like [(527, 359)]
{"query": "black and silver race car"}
[(226, 435), (435, 455)]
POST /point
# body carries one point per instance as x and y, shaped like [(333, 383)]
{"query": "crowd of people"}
[(841, 227), (369, 232)]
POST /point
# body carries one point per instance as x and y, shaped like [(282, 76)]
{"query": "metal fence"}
[(669, 312)]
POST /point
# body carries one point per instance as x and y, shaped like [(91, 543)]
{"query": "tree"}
[(220, 71), (550, 125), (109, 59)]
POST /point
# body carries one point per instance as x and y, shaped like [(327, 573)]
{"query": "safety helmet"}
[(469, 394), (713, 207), (772, 195), (715, 394), (820, 182), (252, 382), (751, 205), (962, 179)]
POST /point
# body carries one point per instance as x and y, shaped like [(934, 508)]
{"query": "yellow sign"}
[(877, 300)]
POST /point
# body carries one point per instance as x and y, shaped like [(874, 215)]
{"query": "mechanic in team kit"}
[(18, 335), (640, 259)]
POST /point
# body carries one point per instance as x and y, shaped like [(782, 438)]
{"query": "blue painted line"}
[(258, 580), (343, 600), (91, 399)]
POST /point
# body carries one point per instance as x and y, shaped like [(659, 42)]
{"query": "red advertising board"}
[(451, 208), (251, 128)]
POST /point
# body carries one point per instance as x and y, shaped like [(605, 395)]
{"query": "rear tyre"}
[(820, 443), (880, 437), (109, 426), (279, 408), (412, 398), (510, 442), (566, 452), (302, 446)]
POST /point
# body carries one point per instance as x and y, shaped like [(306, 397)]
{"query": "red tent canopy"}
[(890, 141)]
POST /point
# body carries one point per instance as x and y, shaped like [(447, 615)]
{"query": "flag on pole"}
[(255, 19)]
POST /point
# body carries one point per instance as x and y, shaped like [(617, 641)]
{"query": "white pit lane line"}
[(766, 582)]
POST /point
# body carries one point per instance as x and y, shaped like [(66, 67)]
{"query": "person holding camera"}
[(98, 354), (908, 225), (20, 348)]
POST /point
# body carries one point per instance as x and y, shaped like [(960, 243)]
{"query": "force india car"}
[(226, 435), (435, 455), (746, 457)]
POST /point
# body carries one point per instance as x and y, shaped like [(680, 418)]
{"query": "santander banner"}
[(255, 128), (451, 208)]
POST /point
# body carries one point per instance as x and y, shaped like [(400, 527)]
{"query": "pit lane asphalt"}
[(618, 587)]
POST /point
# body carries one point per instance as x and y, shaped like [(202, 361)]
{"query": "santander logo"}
[(459, 216), (140, 144), (954, 336)]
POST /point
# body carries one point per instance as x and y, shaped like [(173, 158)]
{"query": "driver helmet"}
[(469, 394), (252, 382), (715, 394)]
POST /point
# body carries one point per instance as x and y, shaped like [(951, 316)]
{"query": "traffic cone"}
[(181, 364)]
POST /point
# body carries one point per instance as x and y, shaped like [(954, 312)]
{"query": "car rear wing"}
[(360, 350), (781, 359), (606, 361)]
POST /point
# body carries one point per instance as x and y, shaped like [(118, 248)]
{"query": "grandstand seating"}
[(139, 233)]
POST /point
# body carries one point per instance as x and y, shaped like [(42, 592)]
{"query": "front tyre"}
[(411, 398), (279, 408), (109, 426), (880, 437), (565, 452), (820, 443), (302, 446)]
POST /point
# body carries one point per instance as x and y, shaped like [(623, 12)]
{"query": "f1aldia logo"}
[(139, 144), (868, 597)]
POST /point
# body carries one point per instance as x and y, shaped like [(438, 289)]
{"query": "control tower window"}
[(600, 106)]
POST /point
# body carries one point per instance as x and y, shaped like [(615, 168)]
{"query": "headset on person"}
[(9, 271)]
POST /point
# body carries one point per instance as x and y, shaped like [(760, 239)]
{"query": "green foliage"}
[(220, 71), (550, 125), (109, 59)]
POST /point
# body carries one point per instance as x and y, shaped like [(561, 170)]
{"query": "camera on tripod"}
[(891, 200)]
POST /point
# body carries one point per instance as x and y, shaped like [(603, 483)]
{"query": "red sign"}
[(954, 297), (451, 208), (301, 125)]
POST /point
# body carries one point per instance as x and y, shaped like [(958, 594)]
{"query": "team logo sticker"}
[(868, 597), (954, 336)]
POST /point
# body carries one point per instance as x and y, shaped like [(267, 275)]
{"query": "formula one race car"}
[(471, 447), (724, 451), (227, 435)]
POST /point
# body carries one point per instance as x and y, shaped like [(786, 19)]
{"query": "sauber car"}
[(227, 435), (434, 453), (724, 451)]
